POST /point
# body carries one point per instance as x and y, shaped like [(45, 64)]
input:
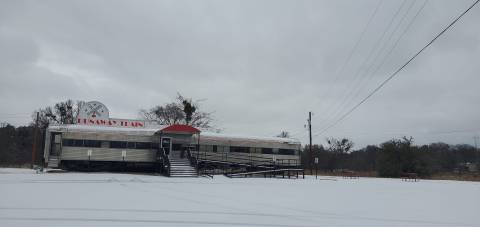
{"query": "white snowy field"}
[(113, 199)]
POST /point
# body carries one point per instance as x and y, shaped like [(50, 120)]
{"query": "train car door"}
[(166, 143), (56, 144)]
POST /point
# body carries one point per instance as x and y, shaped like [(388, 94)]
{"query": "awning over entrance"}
[(187, 129)]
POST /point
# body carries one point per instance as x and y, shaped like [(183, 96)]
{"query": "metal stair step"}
[(53, 162), (182, 168)]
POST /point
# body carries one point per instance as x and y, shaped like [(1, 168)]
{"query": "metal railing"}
[(194, 162), (245, 159), (206, 162), (165, 161)]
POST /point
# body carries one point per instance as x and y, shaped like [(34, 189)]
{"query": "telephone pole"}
[(475, 139), (34, 144), (310, 136)]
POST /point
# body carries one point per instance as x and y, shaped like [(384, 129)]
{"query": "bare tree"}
[(339, 145), (183, 111), (189, 108), (284, 134), (61, 113)]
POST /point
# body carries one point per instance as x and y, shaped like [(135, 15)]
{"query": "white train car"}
[(99, 141), (250, 149), (70, 145)]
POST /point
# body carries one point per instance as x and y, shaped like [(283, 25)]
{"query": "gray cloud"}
[(260, 65)]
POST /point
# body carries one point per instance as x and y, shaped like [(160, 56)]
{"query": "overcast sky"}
[(260, 66)]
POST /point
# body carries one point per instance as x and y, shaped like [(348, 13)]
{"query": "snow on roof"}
[(214, 135), (153, 130), (91, 128)]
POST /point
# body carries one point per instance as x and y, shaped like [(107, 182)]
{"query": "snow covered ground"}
[(112, 199)]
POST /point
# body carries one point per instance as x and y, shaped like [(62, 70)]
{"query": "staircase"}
[(181, 168), (53, 162)]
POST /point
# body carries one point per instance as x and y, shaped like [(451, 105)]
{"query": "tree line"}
[(392, 158), (16, 145)]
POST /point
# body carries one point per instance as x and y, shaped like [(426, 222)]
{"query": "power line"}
[(329, 113), (354, 49), (397, 71), (368, 73), (453, 131)]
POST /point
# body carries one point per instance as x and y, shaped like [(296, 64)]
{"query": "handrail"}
[(238, 158), (193, 161), (246, 157), (263, 171), (243, 156), (234, 156), (203, 160), (165, 161)]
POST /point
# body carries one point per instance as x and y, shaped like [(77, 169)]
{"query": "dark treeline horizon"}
[(16, 144), (394, 157), (389, 159)]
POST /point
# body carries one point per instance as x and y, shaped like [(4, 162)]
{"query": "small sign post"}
[(89, 153), (316, 167), (124, 154)]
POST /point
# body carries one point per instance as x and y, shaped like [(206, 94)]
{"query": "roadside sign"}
[(316, 160)]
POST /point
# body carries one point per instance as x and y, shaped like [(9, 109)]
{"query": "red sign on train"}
[(111, 122)]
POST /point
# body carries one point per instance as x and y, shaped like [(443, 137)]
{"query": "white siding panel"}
[(108, 154)]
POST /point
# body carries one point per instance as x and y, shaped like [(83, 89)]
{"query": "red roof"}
[(180, 128)]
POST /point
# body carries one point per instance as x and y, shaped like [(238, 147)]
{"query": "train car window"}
[(67, 142), (105, 144), (154, 145), (92, 143), (234, 149), (142, 145), (118, 144), (240, 149), (221, 149), (267, 151), (78, 143), (214, 148), (209, 148), (286, 151)]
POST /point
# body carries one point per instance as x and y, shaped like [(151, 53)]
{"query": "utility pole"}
[(475, 138), (34, 144), (310, 136)]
